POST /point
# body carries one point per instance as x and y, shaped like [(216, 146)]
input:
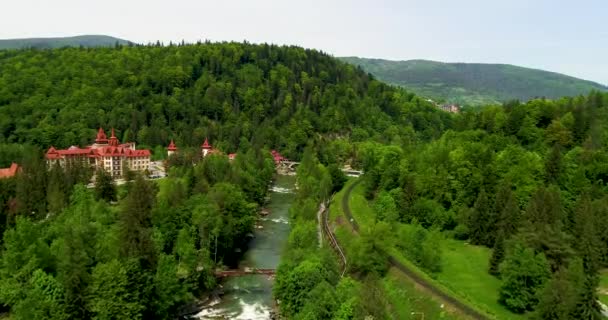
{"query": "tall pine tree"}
[(482, 221), (136, 223), (587, 244)]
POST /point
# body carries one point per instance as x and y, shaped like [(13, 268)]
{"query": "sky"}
[(565, 36)]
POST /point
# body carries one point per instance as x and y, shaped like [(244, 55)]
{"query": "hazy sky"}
[(564, 36)]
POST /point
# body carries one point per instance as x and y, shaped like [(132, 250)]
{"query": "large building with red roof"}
[(108, 154)]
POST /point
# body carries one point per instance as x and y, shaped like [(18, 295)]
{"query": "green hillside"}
[(69, 253), (48, 43), (229, 93), (474, 83)]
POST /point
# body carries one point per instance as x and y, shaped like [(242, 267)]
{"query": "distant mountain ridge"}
[(50, 43), (474, 83)]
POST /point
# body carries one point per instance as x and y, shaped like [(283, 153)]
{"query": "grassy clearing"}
[(464, 273), (402, 296), (604, 286), (360, 208), (403, 299)]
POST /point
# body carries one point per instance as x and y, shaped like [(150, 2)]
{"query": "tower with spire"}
[(113, 140), (171, 149), (206, 148), (101, 139)]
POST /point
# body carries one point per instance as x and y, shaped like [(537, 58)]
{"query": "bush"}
[(461, 232)]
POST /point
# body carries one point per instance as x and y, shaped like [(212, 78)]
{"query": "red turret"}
[(113, 139), (101, 137), (52, 153), (206, 144), (172, 146)]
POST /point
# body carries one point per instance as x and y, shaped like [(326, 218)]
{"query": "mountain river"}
[(250, 297)]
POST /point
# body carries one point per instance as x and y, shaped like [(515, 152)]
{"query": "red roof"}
[(232, 156), (206, 144), (277, 156), (113, 140), (73, 151), (52, 154), (10, 171), (172, 146), (101, 136), (111, 151), (114, 148)]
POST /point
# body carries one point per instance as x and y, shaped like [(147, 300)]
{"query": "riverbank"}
[(250, 296)]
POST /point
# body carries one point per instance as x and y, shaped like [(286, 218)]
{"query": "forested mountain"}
[(524, 181), (146, 249), (231, 93), (474, 83), (49, 43)]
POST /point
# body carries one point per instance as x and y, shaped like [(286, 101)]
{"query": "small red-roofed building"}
[(108, 154), (232, 156), (277, 157), (206, 148), (171, 149), (10, 172)]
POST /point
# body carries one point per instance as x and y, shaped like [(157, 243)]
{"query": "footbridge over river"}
[(244, 272), (287, 165)]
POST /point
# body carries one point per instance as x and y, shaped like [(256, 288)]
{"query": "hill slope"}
[(474, 83), (48, 43), (228, 92)]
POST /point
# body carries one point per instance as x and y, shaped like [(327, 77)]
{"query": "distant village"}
[(450, 107)]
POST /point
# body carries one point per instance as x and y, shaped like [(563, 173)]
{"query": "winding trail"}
[(449, 300), (333, 241)]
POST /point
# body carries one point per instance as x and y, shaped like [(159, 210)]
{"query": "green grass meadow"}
[(465, 266), (404, 300)]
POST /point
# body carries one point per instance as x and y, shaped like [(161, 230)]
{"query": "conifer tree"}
[(56, 191), (498, 254), (553, 165), (31, 188), (136, 223), (544, 208), (509, 216), (587, 245), (104, 186), (558, 299), (482, 222)]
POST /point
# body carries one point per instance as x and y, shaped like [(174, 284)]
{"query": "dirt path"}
[(453, 303)]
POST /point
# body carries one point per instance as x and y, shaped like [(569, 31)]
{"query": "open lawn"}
[(464, 266)]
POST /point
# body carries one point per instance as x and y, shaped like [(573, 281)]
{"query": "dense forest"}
[(524, 180), (474, 84), (149, 248), (139, 251), (234, 94)]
